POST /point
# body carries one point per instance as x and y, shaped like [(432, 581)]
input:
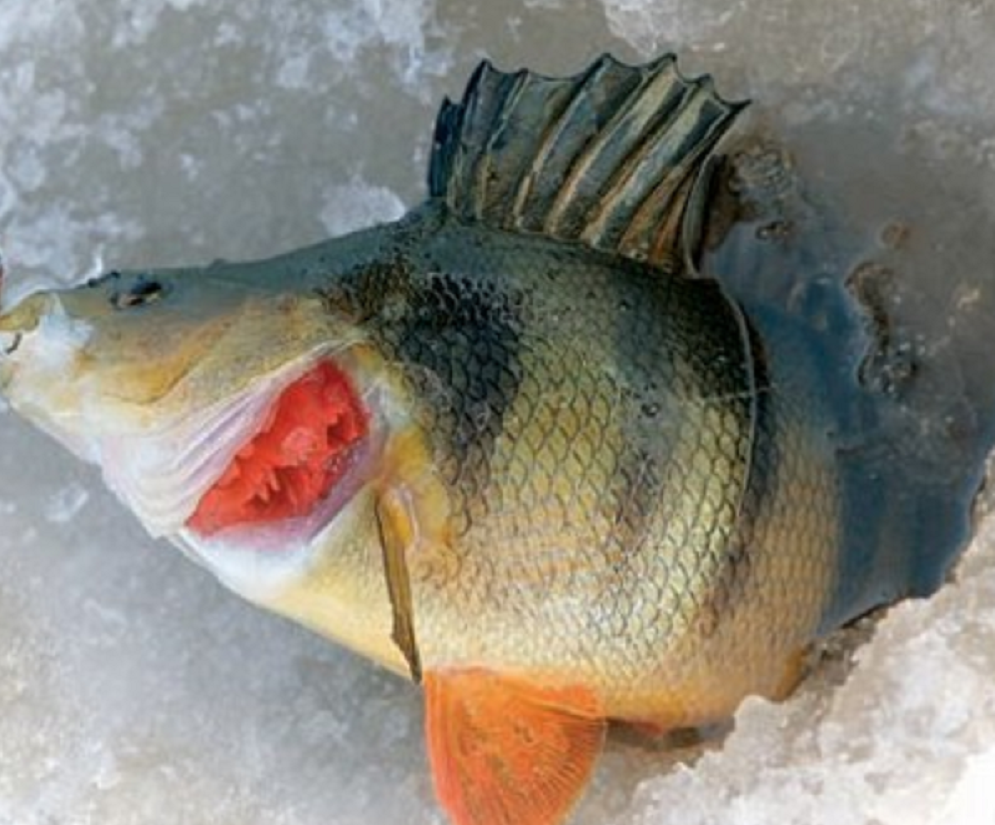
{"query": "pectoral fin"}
[(393, 519), (507, 752)]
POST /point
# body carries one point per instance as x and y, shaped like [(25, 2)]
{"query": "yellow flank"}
[(548, 572), (513, 444), (342, 594)]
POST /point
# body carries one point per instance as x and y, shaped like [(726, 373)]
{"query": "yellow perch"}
[(514, 446)]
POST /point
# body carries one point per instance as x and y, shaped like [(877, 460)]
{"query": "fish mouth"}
[(305, 461), (306, 443), (264, 471)]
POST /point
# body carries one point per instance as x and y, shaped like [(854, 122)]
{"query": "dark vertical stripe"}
[(458, 341), (730, 584)]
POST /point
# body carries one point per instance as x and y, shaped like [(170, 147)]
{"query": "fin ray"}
[(609, 150), (596, 94), (507, 752), (555, 127), (609, 157)]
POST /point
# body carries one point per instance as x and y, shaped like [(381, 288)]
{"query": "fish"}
[(516, 446)]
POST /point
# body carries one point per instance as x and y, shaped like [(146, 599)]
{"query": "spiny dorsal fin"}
[(615, 156)]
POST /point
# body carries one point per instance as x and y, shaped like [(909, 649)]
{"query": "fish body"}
[(514, 446), (580, 444)]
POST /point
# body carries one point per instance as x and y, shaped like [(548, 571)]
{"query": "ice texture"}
[(135, 691)]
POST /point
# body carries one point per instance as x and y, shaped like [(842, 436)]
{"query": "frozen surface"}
[(134, 690)]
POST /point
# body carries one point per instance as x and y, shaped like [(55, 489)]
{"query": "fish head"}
[(124, 354), (241, 422)]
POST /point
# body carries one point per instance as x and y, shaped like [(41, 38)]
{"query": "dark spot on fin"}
[(616, 157)]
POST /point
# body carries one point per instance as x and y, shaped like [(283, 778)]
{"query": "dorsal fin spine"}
[(480, 176), (614, 199), (474, 124), (440, 170), (699, 166), (676, 178), (609, 157), (534, 170), (569, 140), (595, 150)]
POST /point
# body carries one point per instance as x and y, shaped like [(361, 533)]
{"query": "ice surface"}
[(66, 503), (133, 690)]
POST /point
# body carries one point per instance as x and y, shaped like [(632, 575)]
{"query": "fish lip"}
[(28, 313), (16, 322), (40, 346), (6, 369)]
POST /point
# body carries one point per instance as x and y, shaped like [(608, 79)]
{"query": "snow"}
[(134, 690), (66, 503)]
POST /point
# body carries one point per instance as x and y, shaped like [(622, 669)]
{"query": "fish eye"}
[(141, 291)]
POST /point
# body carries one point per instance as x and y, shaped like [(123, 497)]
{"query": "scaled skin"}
[(532, 560), (589, 488)]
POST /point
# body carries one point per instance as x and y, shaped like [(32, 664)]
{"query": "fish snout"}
[(27, 314), (22, 319), (18, 326)]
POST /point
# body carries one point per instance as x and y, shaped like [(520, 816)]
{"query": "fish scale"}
[(575, 481), (541, 436)]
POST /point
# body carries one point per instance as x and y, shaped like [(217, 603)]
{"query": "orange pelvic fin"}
[(505, 751)]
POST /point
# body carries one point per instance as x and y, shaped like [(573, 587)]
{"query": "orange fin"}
[(507, 752)]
